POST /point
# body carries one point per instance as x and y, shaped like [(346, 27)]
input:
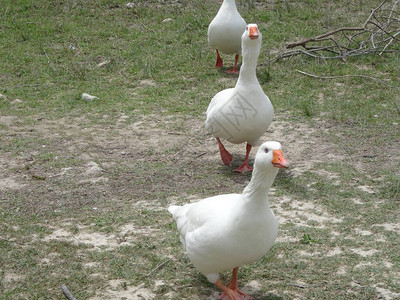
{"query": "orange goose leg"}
[(231, 291), (225, 155), (219, 63), (234, 70), (245, 165)]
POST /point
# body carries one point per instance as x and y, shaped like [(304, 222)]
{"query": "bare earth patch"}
[(87, 159), (395, 227), (119, 290), (11, 277), (9, 183), (99, 240), (300, 213)]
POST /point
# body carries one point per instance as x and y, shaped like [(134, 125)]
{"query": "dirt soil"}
[(70, 164)]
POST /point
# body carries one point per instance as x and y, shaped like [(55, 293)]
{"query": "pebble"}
[(88, 97)]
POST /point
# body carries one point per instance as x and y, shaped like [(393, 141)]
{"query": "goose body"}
[(235, 222), (225, 31), (223, 232), (243, 113)]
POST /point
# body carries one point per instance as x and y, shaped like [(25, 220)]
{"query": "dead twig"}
[(301, 286), (322, 36), (201, 154), (379, 32), (348, 76), (67, 293), (147, 27), (159, 266)]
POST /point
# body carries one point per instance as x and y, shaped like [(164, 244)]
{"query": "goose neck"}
[(247, 74), (229, 3), (259, 185), (249, 65)]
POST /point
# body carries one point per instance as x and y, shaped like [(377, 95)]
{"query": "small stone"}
[(130, 5), (88, 97), (167, 20), (93, 168), (103, 63)]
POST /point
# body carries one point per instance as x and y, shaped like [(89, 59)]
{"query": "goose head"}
[(269, 159), (251, 47), (270, 156), (251, 34)]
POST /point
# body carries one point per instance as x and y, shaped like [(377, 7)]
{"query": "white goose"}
[(243, 113), (223, 232), (224, 32)]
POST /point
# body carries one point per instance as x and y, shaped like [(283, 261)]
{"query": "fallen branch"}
[(379, 32), (67, 293), (322, 36), (291, 53), (348, 76)]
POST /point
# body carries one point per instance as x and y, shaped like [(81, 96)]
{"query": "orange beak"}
[(279, 160), (253, 33)]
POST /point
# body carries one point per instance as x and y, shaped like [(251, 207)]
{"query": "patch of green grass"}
[(391, 188), (307, 239), (161, 75)]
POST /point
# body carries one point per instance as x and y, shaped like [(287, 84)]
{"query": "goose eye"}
[(247, 27), (266, 150)]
